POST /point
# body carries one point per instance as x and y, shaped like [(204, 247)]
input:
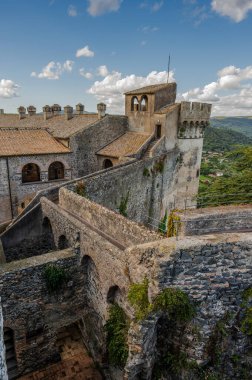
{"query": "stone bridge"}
[(103, 253)]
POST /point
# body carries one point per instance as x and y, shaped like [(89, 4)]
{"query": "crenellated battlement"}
[(195, 111), (194, 118)]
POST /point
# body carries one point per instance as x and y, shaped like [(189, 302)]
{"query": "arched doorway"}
[(107, 164), (56, 171), (11, 360), (158, 131), (47, 235), (63, 242), (114, 295), (30, 173)]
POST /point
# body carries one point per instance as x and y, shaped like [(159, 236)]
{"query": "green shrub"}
[(138, 298), (117, 330), (163, 224), (176, 303), (172, 301), (246, 325), (55, 277), (146, 172), (174, 223), (80, 189), (123, 205), (159, 166)]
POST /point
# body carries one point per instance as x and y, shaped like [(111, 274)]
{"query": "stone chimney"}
[(1, 111), (47, 111), (56, 109), (31, 110), (68, 112), (80, 109), (101, 108), (22, 111)]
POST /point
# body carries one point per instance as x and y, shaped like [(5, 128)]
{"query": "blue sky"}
[(66, 52)]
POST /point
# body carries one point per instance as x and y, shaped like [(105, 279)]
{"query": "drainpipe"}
[(9, 186)]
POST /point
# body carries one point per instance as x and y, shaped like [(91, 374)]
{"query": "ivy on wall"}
[(117, 327)]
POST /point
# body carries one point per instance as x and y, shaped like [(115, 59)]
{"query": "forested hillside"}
[(226, 168), (239, 124), (221, 139)]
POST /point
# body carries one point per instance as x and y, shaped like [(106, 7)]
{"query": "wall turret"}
[(21, 111)]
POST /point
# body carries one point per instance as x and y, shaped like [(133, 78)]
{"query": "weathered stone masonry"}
[(213, 270)]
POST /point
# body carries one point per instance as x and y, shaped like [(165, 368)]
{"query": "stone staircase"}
[(10, 354), (148, 150)]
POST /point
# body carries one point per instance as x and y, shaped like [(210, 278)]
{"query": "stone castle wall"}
[(122, 229), (86, 143), (214, 271), (144, 182), (216, 219)]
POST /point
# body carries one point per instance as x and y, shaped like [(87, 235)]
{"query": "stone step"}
[(62, 335), (13, 374), (9, 354), (8, 345), (8, 336), (11, 364)]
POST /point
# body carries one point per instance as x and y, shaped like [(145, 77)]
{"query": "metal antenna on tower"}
[(168, 72)]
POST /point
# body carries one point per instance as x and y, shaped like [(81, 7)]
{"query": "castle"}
[(98, 227), (38, 150)]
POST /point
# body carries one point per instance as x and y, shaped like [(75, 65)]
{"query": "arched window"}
[(134, 104), (144, 103), (107, 164), (56, 171), (30, 173)]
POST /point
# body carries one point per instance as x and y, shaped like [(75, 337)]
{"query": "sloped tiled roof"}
[(22, 142), (169, 108), (150, 89), (57, 125), (127, 144)]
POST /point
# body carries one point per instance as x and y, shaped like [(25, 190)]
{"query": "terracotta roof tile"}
[(126, 145), (21, 142), (150, 89), (57, 125), (169, 108)]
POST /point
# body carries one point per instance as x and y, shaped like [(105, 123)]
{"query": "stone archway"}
[(63, 242)]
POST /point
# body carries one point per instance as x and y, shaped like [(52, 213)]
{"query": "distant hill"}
[(239, 124), (223, 139)]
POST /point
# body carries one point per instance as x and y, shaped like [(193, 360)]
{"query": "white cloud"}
[(103, 71), (72, 11), (231, 93), (53, 70), (157, 5), (8, 89), (84, 52), (99, 7), (237, 10), (148, 29), (85, 74), (110, 90)]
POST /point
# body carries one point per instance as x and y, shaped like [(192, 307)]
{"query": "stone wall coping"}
[(169, 245), (35, 261), (217, 211), (91, 209)]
